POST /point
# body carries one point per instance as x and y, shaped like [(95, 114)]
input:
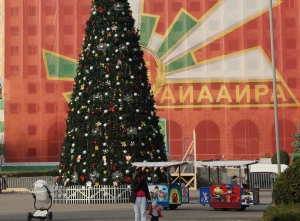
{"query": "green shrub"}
[(284, 158), (287, 185), (287, 212)]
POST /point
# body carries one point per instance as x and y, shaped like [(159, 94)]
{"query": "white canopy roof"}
[(159, 164), (266, 168), (229, 163)]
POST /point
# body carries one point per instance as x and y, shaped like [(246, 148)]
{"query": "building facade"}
[(209, 65)]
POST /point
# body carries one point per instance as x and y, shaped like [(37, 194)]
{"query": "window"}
[(31, 129), (14, 69), (49, 29), (86, 9), (68, 49), (159, 6), (68, 10), (195, 6), (291, 43), (50, 10), (32, 88), (32, 69), (68, 29), (14, 11), (14, 50), (32, 108), (290, 23), (14, 108), (233, 44), (50, 87), (292, 82), (289, 3), (50, 108), (291, 63), (32, 11), (32, 50), (14, 31), (32, 30), (176, 7)]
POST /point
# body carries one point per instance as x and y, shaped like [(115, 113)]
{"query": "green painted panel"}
[(182, 26), (1, 126), (182, 62), (27, 168), (60, 67), (1, 104), (147, 26)]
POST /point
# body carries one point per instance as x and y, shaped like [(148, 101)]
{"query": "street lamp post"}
[(274, 87)]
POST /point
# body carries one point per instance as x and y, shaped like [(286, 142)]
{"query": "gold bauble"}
[(117, 177), (73, 138), (105, 172), (73, 109), (147, 170), (101, 39), (93, 155), (84, 163), (106, 137), (150, 139), (96, 55), (79, 73), (122, 35), (120, 108), (72, 157), (148, 152), (127, 162), (69, 172)]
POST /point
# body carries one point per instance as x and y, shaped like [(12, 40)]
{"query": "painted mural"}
[(209, 65)]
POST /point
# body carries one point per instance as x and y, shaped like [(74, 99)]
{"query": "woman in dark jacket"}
[(139, 196)]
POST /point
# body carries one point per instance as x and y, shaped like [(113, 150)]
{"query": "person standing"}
[(139, 196), (155, 211)]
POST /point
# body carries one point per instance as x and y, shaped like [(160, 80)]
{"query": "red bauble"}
[(87, 54), (64, 166), (95, 142), (93, 165), (93, 112), (107, 69), (74, 168), (114, 167), (82, 178)]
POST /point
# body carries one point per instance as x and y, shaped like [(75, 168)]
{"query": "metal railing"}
[(262, 180), (91, 195), (26, 183)]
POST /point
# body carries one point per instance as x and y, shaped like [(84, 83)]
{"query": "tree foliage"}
[(112, 119), (287, 185)]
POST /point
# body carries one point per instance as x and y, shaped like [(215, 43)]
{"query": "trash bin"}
[(255, 196)]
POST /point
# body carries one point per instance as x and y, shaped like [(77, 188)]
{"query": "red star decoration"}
[(112, 109), (82, 178), (133, 32), (93, 165)]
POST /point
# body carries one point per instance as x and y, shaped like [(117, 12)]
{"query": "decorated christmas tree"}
[(112, 118)]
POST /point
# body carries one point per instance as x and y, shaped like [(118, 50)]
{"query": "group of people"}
[(140, 196)]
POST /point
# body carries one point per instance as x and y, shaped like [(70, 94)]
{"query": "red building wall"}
[(35, 108)]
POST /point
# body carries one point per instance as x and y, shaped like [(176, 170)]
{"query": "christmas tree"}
[(112, 118)]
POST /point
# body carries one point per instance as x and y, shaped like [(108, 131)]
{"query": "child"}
[(155, 211)]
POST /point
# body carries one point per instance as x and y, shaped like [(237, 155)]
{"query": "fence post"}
[(115, 195)]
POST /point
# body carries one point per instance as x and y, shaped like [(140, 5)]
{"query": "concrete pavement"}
[(15, 206)]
